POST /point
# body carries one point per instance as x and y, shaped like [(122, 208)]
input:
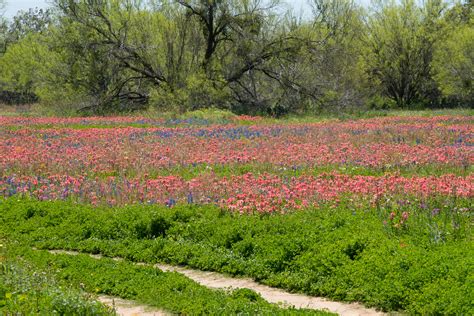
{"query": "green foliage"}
[(402, 38), (3, 28), (352, 252), (26, 290), (23, 65), (454, 62), (210, 114), (33, 21), (336, 69), (197, 93)]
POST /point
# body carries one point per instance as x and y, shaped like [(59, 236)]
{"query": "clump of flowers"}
[(397, 219)]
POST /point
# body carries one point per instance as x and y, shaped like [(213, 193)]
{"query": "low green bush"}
[(25, 290)]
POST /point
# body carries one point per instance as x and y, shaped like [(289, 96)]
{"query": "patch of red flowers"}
[(136, 151), (63, 163), (245, 193)]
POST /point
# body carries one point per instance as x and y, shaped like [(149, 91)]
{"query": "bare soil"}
[(130, 308)]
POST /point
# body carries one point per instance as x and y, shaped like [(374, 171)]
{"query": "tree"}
[(122, 52), (3, 27), (335, 69), (178, 48), (221, 20), (260, 68), (243, 40), (27, 22), (249, 56), (454, 57), (402, 38), (21, 67)]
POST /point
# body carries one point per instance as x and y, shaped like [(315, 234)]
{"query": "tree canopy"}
[(248, 56)]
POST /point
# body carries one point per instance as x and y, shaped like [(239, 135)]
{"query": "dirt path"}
[(129, 308), (272, 295)]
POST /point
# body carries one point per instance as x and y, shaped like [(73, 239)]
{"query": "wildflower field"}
[(376, 210)]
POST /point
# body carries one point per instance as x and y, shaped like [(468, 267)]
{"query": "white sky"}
[(13, 6)]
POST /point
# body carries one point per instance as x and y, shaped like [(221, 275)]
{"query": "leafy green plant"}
[(26, 290), (346, 253)]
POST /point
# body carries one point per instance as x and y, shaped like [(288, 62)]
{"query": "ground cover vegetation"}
[(26, 290), (38, 282), (410, 257), (246, 56), (375, 210)]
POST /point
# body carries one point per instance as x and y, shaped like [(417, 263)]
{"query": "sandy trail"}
[(272, 295), (129, 308)]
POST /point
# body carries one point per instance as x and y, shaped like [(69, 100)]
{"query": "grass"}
[(188, 172), (353, 252), (35, 110)]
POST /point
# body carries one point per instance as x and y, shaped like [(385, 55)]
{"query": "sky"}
[(13, 6)]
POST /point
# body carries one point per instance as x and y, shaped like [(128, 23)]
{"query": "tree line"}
[(247, 56)]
